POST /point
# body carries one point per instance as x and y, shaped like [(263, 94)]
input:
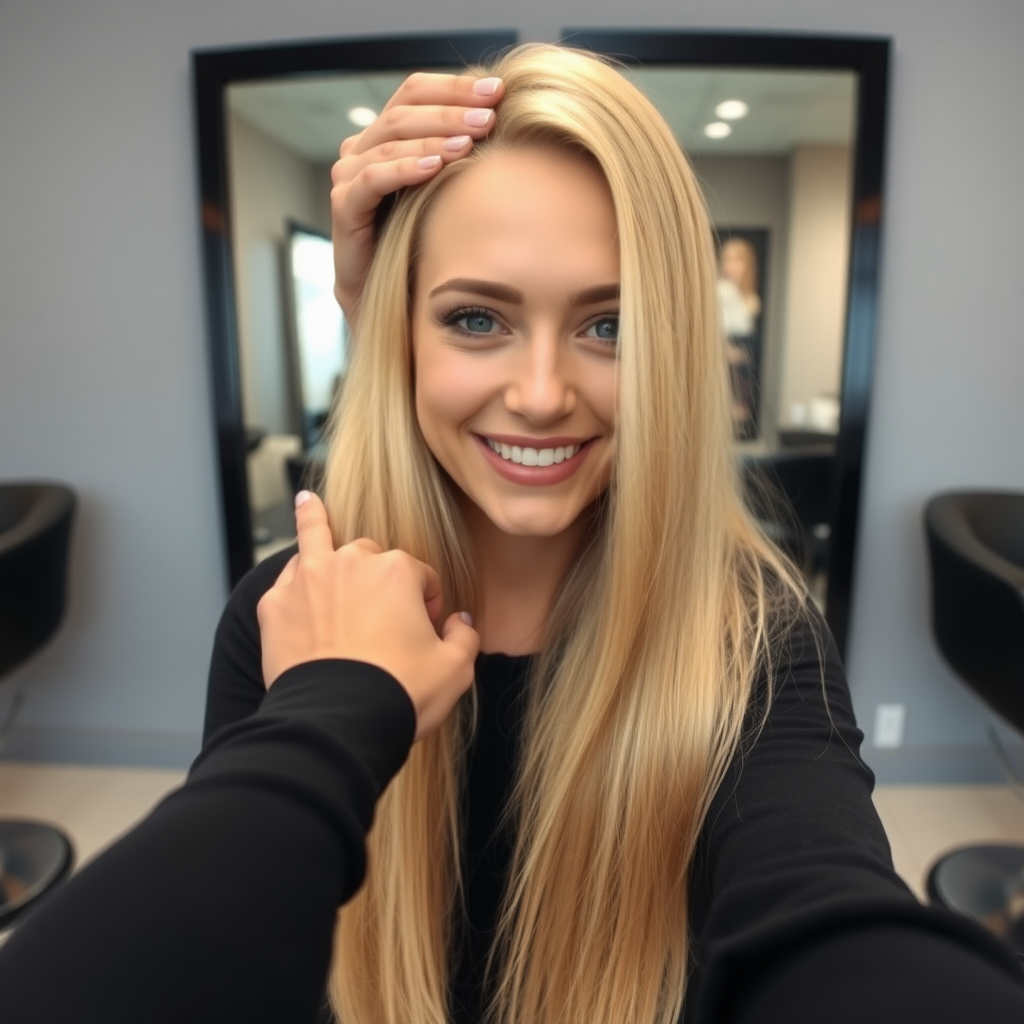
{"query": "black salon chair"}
[(976, 550), (35, 533), (799, 524)]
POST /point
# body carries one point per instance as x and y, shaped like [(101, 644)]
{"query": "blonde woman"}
[(655, 793)]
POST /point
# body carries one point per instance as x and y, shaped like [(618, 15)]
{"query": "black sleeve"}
[(235, 686), (220, 906), (796, 911)]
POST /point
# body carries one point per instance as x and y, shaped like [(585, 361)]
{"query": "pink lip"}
[(533, 476)]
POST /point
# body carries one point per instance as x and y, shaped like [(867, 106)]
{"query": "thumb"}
[(458, 632)]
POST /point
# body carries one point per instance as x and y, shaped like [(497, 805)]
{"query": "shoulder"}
[(260, 578), (240, 610), (235, 686), (801, 666)]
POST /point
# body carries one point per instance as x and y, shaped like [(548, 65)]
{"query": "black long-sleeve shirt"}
[(220, 906), (795, 906)]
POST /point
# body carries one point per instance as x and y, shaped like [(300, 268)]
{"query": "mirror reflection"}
[(773, 151)]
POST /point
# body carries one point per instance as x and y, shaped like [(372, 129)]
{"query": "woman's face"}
[(515, 326), (735, 262)]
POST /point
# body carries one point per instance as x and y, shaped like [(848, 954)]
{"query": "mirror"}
[(793, 184)]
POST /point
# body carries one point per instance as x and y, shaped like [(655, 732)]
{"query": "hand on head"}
[(430, 121), (361, 603)]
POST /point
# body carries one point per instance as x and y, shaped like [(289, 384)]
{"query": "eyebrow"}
[(505, 293)]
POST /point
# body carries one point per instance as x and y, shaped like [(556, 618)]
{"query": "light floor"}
[(96, 805)]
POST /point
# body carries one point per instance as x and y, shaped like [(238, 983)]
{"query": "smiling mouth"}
[(533, 456)]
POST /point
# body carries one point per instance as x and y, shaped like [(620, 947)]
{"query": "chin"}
[(529, 526)]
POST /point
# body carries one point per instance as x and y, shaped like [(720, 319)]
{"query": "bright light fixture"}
[(731, 110), (362, 116), (718, 130)]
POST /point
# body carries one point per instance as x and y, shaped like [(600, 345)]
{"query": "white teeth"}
[(533, 456)]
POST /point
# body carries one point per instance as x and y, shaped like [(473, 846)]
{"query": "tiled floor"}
[(95, 805)]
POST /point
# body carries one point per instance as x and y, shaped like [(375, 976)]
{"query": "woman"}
[(659, 791), (655, 793)]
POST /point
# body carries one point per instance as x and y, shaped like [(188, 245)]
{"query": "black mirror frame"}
[(213, 72), (868, 58)]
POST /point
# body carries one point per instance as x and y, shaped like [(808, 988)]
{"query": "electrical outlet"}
[(889, 722)]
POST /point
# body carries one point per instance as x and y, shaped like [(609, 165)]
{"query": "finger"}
[(460, 633), (433, 596), (425, 87), (357, 202), (315, 540), (448, 147), (405, 123), (287, 574)]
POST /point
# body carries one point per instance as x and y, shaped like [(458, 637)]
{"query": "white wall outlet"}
[(889, 722)]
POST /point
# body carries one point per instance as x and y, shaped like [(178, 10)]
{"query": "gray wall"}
[(103, 368)]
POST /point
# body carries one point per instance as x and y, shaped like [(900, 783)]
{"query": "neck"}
[(518, 579)]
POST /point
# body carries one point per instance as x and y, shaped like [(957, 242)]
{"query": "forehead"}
[(524, 214)]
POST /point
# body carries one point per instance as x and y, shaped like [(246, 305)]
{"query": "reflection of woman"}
[(649, 798), (740, 307), (739, 265)]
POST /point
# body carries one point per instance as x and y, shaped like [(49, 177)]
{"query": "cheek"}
[(448, 393), (605, 395)]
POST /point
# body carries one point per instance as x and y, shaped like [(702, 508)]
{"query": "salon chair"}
[(976, 550), (799, 525), (35, 533)]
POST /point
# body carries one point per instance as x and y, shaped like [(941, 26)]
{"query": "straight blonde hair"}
[(638, 698)]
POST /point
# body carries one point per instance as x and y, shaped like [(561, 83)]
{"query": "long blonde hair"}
[(639, 695)]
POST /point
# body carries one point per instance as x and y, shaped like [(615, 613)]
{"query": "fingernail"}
[(457, 143), (477, 118), (486, 86), (302, 497), (427, 162), (466, 618)]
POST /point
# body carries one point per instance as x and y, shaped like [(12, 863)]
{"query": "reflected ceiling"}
[(787, 108)]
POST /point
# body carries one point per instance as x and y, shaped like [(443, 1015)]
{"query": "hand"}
[(365, 604), (428, 123)]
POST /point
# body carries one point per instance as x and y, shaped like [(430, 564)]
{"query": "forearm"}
[(886, 974), (221, 905)]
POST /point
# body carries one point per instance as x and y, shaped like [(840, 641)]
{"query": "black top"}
[(220, 906), (793, 893)]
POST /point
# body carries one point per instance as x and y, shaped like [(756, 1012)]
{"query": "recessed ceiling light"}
[(718, 130), (731, 110), (362, 116)]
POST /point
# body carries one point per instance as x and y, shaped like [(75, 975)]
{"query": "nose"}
[(542, 389)]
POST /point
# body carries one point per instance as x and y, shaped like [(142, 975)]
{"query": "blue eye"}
[(477, 323), (606, 329)]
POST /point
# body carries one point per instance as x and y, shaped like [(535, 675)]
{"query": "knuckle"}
[(371, 176), (387, 150), (416, 83), (264, 606)]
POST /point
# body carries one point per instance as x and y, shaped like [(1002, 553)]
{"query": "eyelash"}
[(451, 321), (452, 318)]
